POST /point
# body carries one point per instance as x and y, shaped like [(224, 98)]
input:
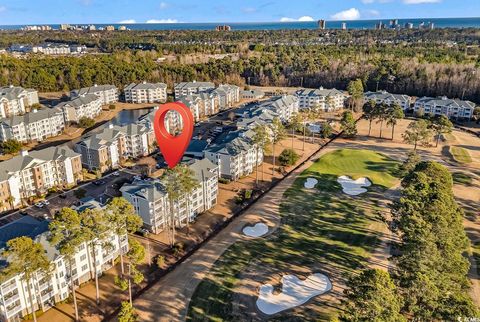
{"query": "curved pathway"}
[(168, 299)]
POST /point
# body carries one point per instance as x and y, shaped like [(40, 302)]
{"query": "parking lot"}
[(101, 190)]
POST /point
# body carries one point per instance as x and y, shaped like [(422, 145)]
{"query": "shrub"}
[(160, 261), (111, 106), (288, 157), (11, 146), (86, 122), (177, 249)]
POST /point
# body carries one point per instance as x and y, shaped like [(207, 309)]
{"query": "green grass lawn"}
[(462, 178), (460, 155), (321, 230)]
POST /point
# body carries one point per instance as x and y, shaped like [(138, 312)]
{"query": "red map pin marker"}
[(173, 147)]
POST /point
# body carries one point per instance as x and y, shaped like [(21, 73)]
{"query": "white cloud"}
[(420, 1), (127, 21), (162, 21), (303, 18), (350, 14), (164, 5)]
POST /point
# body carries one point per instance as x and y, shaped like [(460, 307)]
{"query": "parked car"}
[(39, 205), (46, 202), (116, 173)]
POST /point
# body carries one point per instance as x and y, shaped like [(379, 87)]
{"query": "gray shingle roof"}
[(149, 190), (443, 101), (145, 85), (319, 92), (79, 101), (387, 96), (32, 117), (93, 89), (12, 92)]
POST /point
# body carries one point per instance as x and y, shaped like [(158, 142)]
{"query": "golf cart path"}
[(169, 298)]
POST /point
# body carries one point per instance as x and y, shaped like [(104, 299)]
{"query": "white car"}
[(116, 173), (46, 202), (39, 205)]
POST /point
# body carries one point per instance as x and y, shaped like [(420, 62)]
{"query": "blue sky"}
[(140, 11)]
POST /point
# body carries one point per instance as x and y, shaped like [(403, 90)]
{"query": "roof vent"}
[(24, 153)]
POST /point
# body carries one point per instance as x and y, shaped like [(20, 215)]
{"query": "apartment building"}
[(33, 173), (150, 198), (47, 290), (48, 49), (252, 95), (15, 100), (384, 97), (202, 104), (89, 105), (146, 93), (284, 106), (189, 88), (34, 126), (105, 150), (235, 155), (107, 93), (228, 95), (452, 108), (324, 99)]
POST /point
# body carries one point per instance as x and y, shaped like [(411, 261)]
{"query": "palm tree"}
[(96, 230), (278, 133), (189, 183), (261, 141), (294, 124), (121, 217), (67, 235), (28, 258), (10, 201), (381, 114), (369, 113)]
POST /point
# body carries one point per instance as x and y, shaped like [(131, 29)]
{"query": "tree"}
[(149, 163), (11, 146), (294, 124), (86, 122), (432, 270), (136, 256), (278, 133), (440, 124), (372, 296), (288, 157), (381, 113), (123, 220), (127, 313), (67, 235), (394, 113), (188, 184), (355, 89), (413, 158), (173, 186), (326, 130), (417, 132), (261, 140), (348, 124), (28, 258), (369, 113), (96, 230)]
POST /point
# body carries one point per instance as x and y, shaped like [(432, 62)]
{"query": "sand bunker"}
[(354, 187), (310, 183), (258, 230), (295, 292)]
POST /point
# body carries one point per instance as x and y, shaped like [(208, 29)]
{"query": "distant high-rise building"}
[(431, 25), (322, 24), (223, 28), (344, 26), (409, 25), (421, 25), (380, 25)]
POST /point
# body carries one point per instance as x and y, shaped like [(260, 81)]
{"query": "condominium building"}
[(235, 155), (284, 106), (202, 104), (15, 100), (34, 126), (107, 93), (47, 290), (384, 97), (88, 105), (48, 49), (151, 202), (452, 108), (189, 88), (324, 99), (105, 150), (33, 173), (146, 93), (228, 95), (252, 95)]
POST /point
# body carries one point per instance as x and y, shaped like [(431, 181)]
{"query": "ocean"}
[(356, 24)]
